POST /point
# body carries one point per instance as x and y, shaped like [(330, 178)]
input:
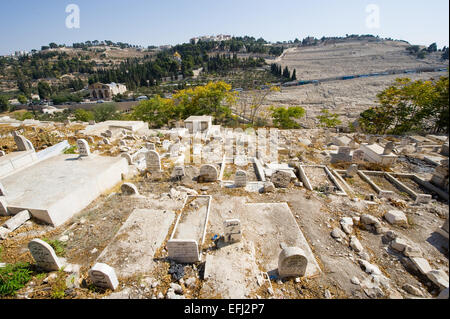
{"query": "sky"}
[(29, 24)]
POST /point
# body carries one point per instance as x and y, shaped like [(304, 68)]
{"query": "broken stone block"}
[(292, 262), (396, 217), (412, 252), (369, 268), (412, 290), (439, 278), (103, 275), (399, 244), (355, 244), (347, 225), (421, 264), (281, 179), (17, 220), (4, 232), (338, 234), (268, 187), (129, 189)]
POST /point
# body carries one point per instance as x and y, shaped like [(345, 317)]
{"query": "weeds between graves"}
[(58, 246), (14, 277), (59, 286)]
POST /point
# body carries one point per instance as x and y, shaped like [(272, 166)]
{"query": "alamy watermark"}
[(373, 19), (73, 19)]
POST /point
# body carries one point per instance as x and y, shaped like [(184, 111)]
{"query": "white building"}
[(106, 91)]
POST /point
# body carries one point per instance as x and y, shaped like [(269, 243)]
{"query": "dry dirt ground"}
[(90, 231)]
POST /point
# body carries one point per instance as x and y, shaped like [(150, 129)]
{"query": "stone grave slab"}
[(138, 239), (55, 189)]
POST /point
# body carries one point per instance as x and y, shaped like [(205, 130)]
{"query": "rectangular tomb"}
[(138, 240), (188, 236), (55, 189), (319, 177)]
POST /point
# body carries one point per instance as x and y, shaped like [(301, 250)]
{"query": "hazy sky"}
[(29, 24)]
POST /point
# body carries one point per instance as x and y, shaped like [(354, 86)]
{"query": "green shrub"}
[(14, 277)]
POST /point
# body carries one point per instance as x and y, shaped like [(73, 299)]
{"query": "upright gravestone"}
[(208, 173), (232, 230), (153, 161), (240, 179), (127, 157), (22, 143), (388, 148), (344, 150), (358, 156), (150, 146), (292, 262), (352, 171), (44, 255), (281, 179), (104, 276), (83, 148), (178, 172)]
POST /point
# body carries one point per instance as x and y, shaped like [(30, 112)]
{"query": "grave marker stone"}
[(281, 179), (153, 161), (127, 157), (208, 173), (22, 143), (83, 147), (388, 148), (183, 251), (352, 170), (232, 230), (44, 255), (150, 146), (108, 133), (358, 156), (103, 275), (178, 172), (240, 179), (292, 262)]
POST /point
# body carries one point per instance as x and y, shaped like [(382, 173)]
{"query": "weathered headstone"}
[(358, 156), (388, 148), (352, 170), (44, 255), (281, 179), (108, 133), (165, 145), (344, 150), (292, 262), (150, 146), (83, 147), (208, 173), (153, 161), (127, 157), (178, 172), (240, 179), (17, 220), (103, 275), (22, 143), (183, 251), (129, 189), (232, 230)]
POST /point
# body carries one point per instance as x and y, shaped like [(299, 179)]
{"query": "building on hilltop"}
[(106, 91)]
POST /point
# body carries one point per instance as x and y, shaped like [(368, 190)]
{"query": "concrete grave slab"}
[(137, 240), (57, 188)]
